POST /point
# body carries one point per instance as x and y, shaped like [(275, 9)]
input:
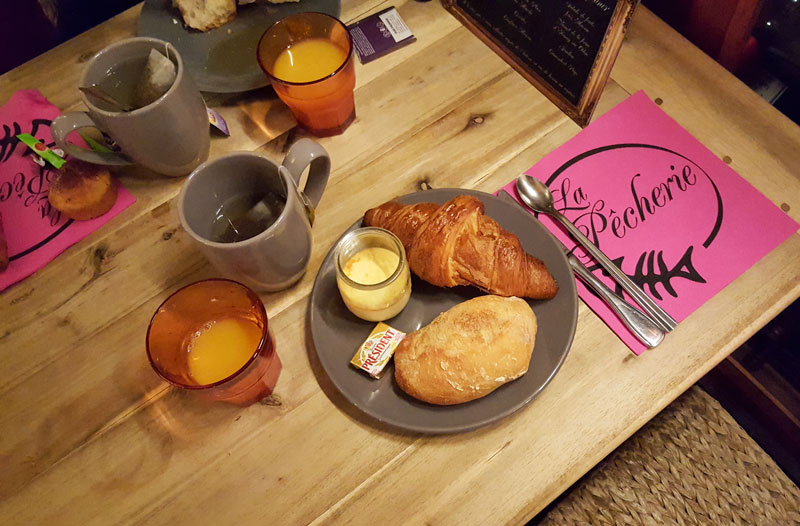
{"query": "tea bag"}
[(267, 210), (158, 75), (244, 216)]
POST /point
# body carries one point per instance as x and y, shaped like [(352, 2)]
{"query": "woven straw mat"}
[(692, 464)]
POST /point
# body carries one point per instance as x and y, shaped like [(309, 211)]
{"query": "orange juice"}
[(308, 60), (202, 336), (221, 348)]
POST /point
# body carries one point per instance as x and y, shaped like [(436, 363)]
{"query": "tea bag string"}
[(233, 227)]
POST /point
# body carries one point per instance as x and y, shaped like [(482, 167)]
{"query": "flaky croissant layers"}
[(457, 244)]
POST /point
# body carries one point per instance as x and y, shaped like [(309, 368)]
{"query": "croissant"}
[(457, 244)]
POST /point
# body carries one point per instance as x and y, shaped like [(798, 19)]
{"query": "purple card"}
[(380, 34)]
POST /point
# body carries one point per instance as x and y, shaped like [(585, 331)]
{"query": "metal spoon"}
[(537, 196), (99, 93)]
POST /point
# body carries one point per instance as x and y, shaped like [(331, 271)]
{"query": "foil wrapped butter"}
[(375, 353)]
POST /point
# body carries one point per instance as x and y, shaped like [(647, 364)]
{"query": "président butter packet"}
[(375, 353), (380, 34)]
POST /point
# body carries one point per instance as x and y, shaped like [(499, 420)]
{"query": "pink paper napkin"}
[(35, 232), (679, 222)]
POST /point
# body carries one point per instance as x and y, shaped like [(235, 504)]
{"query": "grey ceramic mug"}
[(277, 257), (169, 135)]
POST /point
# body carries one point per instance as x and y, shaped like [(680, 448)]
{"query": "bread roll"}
[(468, 351), (82, 190)]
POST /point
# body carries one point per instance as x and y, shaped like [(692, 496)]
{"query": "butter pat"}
[(375, 353)]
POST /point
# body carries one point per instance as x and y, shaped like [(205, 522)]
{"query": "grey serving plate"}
[(223, 60), (337, 333)]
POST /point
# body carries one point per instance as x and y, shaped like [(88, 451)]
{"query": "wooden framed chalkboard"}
[(566, 48)]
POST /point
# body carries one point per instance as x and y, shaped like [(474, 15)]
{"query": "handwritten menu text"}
[(558, 41)]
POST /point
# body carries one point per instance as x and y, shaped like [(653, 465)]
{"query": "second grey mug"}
[(277, 257)]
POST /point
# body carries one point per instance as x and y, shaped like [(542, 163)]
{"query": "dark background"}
[(30, 27)]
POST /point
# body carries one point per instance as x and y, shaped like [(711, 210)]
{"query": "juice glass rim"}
[(352, 235), (264, 335), (348, 56)]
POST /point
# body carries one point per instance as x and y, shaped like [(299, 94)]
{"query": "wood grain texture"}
[(91, 436)]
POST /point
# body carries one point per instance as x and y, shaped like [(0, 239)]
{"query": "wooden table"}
[(91, 436)]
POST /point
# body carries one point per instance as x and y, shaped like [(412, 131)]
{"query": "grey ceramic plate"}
[(223, 60), (337, 333)]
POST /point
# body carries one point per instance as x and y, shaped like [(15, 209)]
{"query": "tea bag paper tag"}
[(54, 156), (216, 120), (158, 75), (395, 25)]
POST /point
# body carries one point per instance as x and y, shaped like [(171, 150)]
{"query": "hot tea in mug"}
[(166, 129), (246, 215), (250, 218)]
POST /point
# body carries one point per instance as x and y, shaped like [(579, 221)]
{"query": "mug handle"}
[(64, 124), (301, 154)]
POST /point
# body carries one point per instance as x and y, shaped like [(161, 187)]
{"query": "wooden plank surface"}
[(91, 436)]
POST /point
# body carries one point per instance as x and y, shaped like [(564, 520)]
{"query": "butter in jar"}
[(372, 273)]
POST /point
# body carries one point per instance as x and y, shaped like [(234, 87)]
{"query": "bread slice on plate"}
[(204, 15)]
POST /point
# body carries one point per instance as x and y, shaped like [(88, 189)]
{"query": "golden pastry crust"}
[(457, 244), (205, 15), (82, 190), (468, 351)]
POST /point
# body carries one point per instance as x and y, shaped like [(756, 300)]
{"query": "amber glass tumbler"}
[(190, 309), (323, 106)]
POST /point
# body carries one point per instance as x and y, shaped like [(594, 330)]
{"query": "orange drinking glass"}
[(322, 102), (182, 316)]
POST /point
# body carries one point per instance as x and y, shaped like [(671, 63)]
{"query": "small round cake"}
[(82, 190)]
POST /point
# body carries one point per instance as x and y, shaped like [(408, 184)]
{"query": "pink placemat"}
[(675, 218), (35, 232)]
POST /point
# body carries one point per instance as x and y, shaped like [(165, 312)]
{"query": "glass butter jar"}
[(372, 273)]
